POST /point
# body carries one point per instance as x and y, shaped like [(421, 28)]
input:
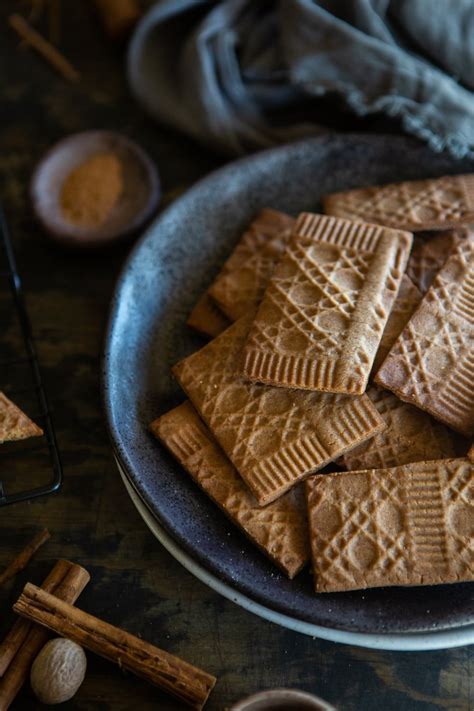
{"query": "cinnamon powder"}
[(91, 191)]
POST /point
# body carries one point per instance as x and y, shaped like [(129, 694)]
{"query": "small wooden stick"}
[(43, 47), (67, 580), (187, 683), (23, 558)]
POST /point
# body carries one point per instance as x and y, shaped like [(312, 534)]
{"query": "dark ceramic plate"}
[(166, 272)]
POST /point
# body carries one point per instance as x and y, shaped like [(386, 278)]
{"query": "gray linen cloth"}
[(246, 74)]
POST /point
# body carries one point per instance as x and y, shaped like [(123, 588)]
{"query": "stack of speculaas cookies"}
[(341, 336)]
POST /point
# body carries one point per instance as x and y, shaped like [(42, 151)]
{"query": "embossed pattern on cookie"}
[(409, 525), (408, 299), (280, 529), (274, 437), (207, 318), (242, 281), (411, 436), (324, 312), (432, 362), (433, 204), (429, 255), (14, 424)]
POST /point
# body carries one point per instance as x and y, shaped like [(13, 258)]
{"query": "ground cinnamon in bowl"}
[(93, 188), (91, 191)]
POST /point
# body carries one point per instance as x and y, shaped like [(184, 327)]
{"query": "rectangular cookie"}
[(280, 529), (433, 204), (240, 285), (14, 424), (325, 309), (429, 255), (431, 364), (273, 436), (409, 525), (207, 318), (411, 436), (407, 301)]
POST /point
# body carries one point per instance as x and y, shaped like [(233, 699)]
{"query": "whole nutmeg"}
[(58, 671)]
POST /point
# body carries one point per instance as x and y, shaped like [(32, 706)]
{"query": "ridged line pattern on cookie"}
[(344, 233)]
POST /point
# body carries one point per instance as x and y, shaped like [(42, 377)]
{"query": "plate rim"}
[(450, 638), (119, 450)]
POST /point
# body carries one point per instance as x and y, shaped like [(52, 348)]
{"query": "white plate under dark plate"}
[(165, 273), (403, 642)]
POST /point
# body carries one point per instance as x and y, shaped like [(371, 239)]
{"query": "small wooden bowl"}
[(284, 699), (138, 202)]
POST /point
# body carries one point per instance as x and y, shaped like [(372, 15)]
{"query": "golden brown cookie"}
[(431, 364), (433, 204), (207, 318), (324, 312), (411, 436), (273, 436), (410, 525), (14, 424), (407, 301), (429, 255), (280, 529), (240, 285)]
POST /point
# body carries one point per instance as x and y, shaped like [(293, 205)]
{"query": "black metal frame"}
[(9, 276)]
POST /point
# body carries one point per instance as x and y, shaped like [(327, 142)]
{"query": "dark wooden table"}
[(135, 583)]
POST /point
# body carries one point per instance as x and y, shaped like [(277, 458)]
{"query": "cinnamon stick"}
[(18, 633), (26, 640), (23, 558), (180, 679), (43, 47)]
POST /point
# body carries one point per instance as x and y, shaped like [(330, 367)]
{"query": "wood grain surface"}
[(135, 583)]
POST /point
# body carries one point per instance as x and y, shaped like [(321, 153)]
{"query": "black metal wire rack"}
[(20, 379)]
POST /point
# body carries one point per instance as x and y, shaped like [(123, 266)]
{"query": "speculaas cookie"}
[(411, 436), (273, 436), (280, 529), (406, 303), (323, 314), (409, 525), (240, 285), (207, 318), (433, 204), (14, 424), (429, 255), (431, 364)]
